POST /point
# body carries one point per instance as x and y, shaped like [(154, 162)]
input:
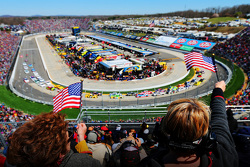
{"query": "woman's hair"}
[(39, 142), (187, 120)]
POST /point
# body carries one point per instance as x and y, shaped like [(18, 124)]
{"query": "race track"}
[(50, 66)]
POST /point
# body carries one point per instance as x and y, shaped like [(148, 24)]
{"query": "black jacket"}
[(225, 154)]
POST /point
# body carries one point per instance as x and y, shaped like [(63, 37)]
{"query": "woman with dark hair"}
[(195, 136), (45, 141)]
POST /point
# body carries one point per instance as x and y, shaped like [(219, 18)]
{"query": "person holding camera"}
[(195, 135)]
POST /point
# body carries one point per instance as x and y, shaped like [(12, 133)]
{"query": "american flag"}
[(197, 59), (69, 97), (152, 24)]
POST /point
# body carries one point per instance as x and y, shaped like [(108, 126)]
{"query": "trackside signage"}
[(175, 45), (195, 43), (187, 48), (166, 41)]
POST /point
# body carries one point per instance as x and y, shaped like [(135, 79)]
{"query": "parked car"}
[(26, 67), (26, 71)]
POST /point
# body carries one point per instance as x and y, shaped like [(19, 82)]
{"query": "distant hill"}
[(235, 11)]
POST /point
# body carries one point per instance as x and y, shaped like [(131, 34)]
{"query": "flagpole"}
[(215, 68), (80, 108)]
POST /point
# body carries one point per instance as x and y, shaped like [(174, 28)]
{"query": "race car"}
[(59, 87), (91, 95), (158, 93), (199, 74), (202, 80), (197, 83), (26, 80), (115, 95), (141, 95), (50, 88), (193, 80), (130, 94), (97, 93)]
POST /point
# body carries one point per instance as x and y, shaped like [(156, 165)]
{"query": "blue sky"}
[(107, 7)]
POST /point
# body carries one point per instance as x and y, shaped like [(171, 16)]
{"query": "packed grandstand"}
[(87, 65)]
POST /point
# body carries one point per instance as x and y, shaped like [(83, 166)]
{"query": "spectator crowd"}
[(8, 47), (52, 25), (237, 50), (168, 143)]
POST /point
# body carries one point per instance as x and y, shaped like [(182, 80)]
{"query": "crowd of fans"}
[(8, 47), (182, 138), (48, 25), (151, 119), (237, 50)]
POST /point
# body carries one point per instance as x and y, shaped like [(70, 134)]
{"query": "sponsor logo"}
[(205, 44), (182, 40), (175, 45), (192, 42)]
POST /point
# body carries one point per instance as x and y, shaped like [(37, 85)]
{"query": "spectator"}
[(232, 122), (135, 142), (144, 132), (187, 132), (100, 151), (44, 141)]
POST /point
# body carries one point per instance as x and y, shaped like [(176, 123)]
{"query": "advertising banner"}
[(195, 43), (174, 45), (166, 41), (187, 48)]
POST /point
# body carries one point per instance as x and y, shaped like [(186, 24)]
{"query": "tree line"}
[(238, 10)]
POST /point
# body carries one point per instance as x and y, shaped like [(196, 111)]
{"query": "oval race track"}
[(37, 51)]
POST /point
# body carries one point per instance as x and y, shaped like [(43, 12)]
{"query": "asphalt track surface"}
[(60, 72)]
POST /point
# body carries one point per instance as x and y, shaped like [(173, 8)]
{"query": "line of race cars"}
[(146, 93), (36, 78)]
